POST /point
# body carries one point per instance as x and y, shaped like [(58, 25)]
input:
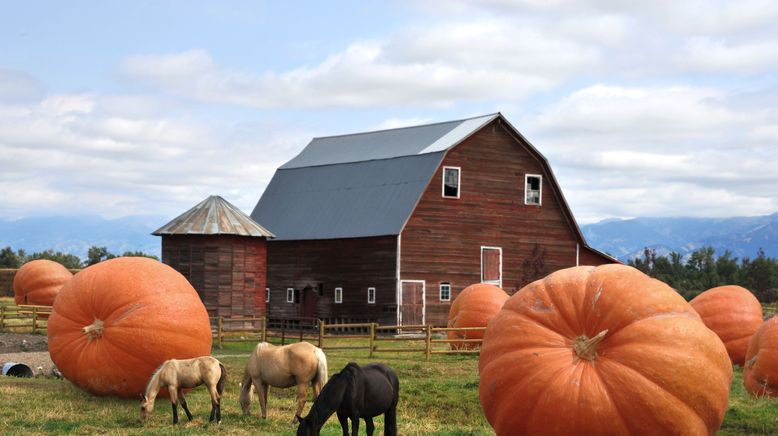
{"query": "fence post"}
[(264, 329), (220, 331), (428, 341), (2, 318), (321, 333), (372, 338)]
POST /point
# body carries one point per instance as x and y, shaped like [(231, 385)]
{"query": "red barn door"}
[(412, 302)]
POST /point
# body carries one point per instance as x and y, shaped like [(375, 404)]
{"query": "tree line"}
[(703, 270), (14, 259)]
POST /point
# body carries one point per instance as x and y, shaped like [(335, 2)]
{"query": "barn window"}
[(267, 295), (451, 182), (445, 292), (533, 187), (290, 295), (370, 295), (338, 295)]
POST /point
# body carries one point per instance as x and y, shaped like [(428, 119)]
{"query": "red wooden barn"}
[(391, 225), (222, 252)]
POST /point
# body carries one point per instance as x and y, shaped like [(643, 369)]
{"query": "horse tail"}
[(321, 371), (222, 380)]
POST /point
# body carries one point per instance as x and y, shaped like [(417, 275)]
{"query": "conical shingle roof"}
[(214, 216)]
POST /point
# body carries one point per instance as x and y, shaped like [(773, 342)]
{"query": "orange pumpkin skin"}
[(38, 282), (760, 371), (116, 321), (734, 314), (602, 351), (474, 307)]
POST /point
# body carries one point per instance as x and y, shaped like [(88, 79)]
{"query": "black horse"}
[(356, 392)]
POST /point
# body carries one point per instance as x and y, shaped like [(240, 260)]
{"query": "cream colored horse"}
[(176, 375), (283, 367)]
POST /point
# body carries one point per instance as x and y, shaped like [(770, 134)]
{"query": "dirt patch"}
[(22, 343), (29, 349)]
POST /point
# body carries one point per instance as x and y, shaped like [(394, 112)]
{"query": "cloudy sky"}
[(643, 108)]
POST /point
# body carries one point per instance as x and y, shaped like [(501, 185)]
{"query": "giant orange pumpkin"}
[(115, 322), (733, 313), (474, 307), (601, 351), (38, 282), (760, 371)]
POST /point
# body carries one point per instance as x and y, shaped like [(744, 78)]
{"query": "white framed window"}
[(338, 295), (451, 179), (290, 295), (533, 189), (370, 295), (267, 295), (445, 292)]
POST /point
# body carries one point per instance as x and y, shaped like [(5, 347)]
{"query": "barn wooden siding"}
[(227, 271), (353, 264), (443, 238)]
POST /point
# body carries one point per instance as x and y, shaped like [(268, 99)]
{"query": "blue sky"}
[(655, 108)]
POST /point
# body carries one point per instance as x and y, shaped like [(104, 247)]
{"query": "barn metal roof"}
[(386, 144), (214, 216), (355, 199), (358, 185)]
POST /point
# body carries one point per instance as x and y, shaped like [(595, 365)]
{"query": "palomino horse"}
[(291, 365), (356, 392), (176, 375)]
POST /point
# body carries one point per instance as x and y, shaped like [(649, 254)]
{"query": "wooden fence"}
[(371, 337), (24, 318)]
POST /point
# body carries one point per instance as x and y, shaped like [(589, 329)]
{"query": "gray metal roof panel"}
[(213, 216), (348, 200), (385, 144)]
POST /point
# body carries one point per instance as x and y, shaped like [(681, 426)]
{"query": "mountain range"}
[(76, 234), (743, 236), (623, 239)]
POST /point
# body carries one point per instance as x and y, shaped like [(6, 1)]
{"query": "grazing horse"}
[(176, 375), (356, 392), (291, 365)]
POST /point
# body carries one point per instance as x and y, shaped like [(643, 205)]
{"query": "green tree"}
[(139, 254), (10, 259), (70, 261), (98, 254), (762, 275)]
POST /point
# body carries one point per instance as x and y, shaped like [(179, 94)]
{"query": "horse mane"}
[(154, 376)]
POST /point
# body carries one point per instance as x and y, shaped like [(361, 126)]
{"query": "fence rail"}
[(371, 337), (24, 318)]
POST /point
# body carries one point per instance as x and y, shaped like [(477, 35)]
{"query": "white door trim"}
[(423, 299), (494, 282)]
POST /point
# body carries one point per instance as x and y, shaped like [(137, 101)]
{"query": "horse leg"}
[(369, 426), (262, 388), (183, 403), (302, 395), (343, 419), (355, 423), (174, 402), (215, 404)]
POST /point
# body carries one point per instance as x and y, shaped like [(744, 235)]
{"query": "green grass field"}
[(439, 397)]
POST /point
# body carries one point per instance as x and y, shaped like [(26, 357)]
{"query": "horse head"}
[(307, 426), (146, 407)]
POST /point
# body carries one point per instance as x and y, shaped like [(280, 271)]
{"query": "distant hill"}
[(743, 236), (75, 235)]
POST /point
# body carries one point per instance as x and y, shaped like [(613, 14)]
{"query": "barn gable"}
[(359, 185)]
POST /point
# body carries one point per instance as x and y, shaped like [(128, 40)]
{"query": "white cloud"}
[(429, 67), (659, 151), (66, 155)]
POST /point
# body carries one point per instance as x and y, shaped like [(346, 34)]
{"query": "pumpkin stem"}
[(586, 348), (94, 330)]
